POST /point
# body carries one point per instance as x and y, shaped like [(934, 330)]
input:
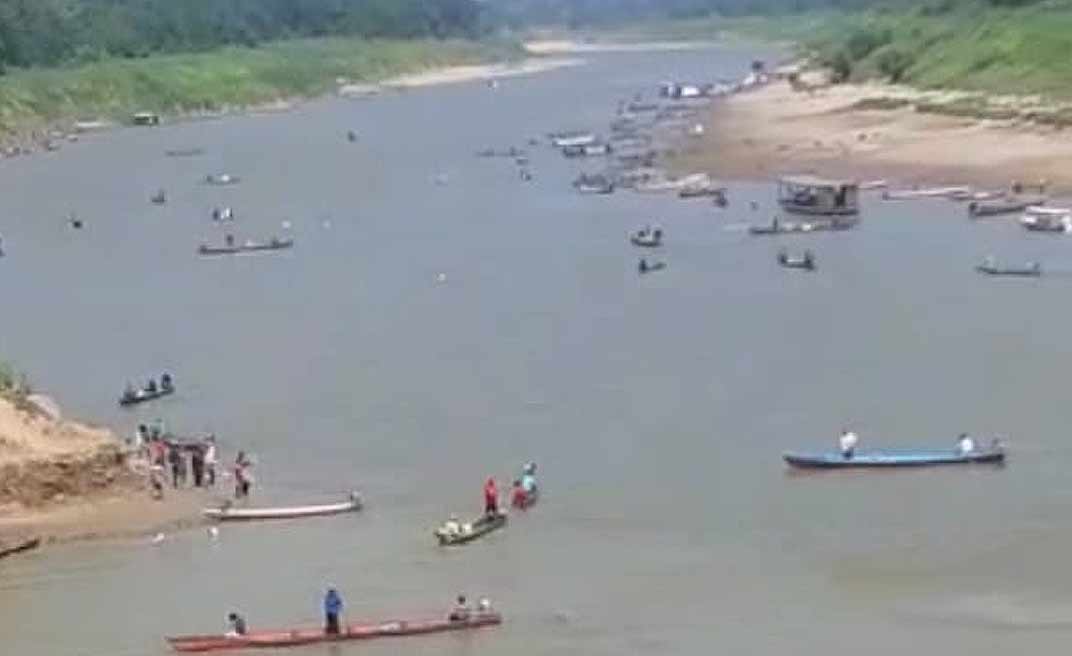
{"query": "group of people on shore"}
[(193, 461)]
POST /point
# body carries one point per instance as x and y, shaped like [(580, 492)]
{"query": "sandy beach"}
[(776, 130)]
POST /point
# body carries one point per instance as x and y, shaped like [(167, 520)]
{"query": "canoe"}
[(1031, 269), (649, 267), (480, 527), (803, 262), (25, 544), (646, 238), (904, 458), (308, 636), (144, 396), (227, 514), (930, 192), (783, 228), (248, 247), (1007, 205)]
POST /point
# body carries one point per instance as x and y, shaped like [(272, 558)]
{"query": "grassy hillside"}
[(231, 77), (963, 44)]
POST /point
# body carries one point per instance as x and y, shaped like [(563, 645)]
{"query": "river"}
[(657, 407)]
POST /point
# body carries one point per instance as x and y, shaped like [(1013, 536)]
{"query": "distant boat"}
[(1005, 205), (647, 237), (893, 458), (566, 139), (925, 192), (184, 152), (248, 247), (991, 268), (805, 261), (470, 531), (222, 179), (19, 546)]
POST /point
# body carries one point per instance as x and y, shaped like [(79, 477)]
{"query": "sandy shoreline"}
[(776, 130)]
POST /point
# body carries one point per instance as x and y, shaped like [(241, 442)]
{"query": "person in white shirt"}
[(847, 443), (210, 460), (965, 444)]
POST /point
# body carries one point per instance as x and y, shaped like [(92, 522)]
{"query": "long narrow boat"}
[(248, 247), (1007, 205), (143, 396), (476, 529), (926, 192), (309, 636), (229, 514), (24, 544), (1029, 270), (902, 458)]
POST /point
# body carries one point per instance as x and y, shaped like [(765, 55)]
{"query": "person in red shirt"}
[(491, 497), (519, 498)]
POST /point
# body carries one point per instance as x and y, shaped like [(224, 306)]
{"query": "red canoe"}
[(292, 638)]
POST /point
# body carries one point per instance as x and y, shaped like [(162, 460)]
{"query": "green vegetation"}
[(229, 77), (54, 32)]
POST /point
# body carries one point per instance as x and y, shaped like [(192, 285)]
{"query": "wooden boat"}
[(990, 268), (1006, 205), (309, 636), (1037, 221), (476, 529), (648, 267), (647, 237), (19, 546), (905, 458), (222, 179), (144, 395), (248, 247), (925, 192), (808, 194), (805, 261), (231, 514)]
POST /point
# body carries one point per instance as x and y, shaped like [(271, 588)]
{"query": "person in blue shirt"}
[(332, 608), (528, 478)]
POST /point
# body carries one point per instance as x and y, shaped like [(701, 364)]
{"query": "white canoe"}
[(292, 512)]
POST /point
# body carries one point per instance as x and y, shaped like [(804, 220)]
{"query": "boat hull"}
[(295, 512), (309, 636), (247, 248), (28, 544), (145, 397), (890, 459), (481, 527)]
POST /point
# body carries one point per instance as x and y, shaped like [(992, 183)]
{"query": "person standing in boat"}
[(965, 444), (165, 382), (332, 608), (243, 480), (847, 443), (460, 612), (528, 478), (518, 498), (491, 497), (236, 625)]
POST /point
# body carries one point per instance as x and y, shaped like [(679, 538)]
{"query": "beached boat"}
[(805, 261), (231, 514), (925, 192), (248, 247), (471, 530), (144, 395), (899, 458), (19, 546), (991, 268), (647, 237), (1036, 220), (1005, 205), (309, 636), (808, 194)]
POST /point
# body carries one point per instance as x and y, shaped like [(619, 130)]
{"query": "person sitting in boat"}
[(847, 443), (150, 387), (965, 444), (460, 612), (165, 382), (332, 608), (643, 267), (483, 606), (236, 626), (809, 260), (129, 393), (783, 256), (452, 527), (491, 497)]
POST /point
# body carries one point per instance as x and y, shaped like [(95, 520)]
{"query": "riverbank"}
[(62, 480), (874, 131), (38, 108)]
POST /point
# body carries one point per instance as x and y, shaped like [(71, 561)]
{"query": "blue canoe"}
[(891, 458)]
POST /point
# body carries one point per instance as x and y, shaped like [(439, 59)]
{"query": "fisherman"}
[(847, 443), (229, 240), (332, 608), (243, 479), (483, 607), (236, 625), (643, 266), (165, 382), (491, 497), (210, 460), (150, 387), (965, 444), (809, 260), (460, 612)]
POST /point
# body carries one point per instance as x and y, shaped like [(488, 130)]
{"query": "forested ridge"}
[(55, 32)]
